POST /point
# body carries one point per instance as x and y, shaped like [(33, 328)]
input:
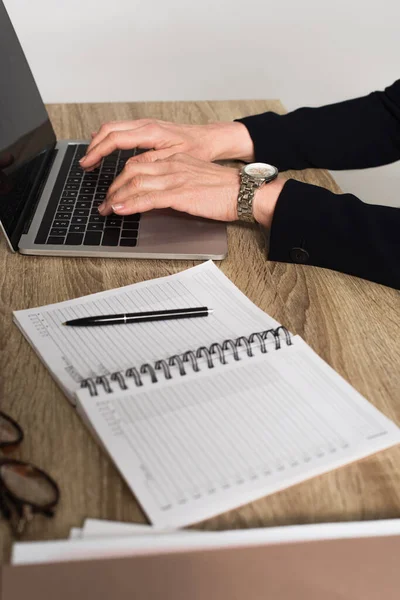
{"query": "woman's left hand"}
[(181, 182)]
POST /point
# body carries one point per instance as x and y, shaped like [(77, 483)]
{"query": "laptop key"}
[(63, 216), (74, 180), (92, 238), (130, 226), (67, 208), (95, 211), (89, 183), (102, 189), (128, 242), (80, 204), (95, 226), (110, 237), (74, 239), (85, 198), (60, 223), (70, 194), (79, 220), (71, 186), (81, 212), (114, 223), (76, 173), (80, 151), (96, 219), (129, 233), (77, 228), (99, 196), (67, 201), (55, 240), (130, 218), (87, 190), (58, 231)]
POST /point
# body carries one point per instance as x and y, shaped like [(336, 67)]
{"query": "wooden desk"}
[(353, 324)]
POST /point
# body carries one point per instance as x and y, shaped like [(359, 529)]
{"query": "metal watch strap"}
[(245, 198)]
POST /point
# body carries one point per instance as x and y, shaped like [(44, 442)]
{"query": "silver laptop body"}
[(35, 172)]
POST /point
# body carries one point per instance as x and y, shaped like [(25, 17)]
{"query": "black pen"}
[(142, 317)]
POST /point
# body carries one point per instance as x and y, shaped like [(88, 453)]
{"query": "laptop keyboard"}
[(72, 217)]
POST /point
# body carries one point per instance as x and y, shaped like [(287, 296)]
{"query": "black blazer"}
[(311, 224)]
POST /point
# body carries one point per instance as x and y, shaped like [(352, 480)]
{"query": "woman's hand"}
[(215, 141), (185, 184)]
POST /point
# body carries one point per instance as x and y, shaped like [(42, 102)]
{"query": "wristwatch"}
[(252, 177)]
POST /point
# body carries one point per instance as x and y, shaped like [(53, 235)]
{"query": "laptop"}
[(363, 567), (48, 204)]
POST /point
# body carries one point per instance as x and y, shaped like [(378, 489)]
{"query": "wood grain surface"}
[(353, 324)]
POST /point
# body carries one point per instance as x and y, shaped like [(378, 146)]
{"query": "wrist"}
[(231, 141), (265, 199)]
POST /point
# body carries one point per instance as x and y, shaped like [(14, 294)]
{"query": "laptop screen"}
[(26, 134)]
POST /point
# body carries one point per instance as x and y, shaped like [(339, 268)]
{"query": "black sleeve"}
[(354, 134), (315, 226)]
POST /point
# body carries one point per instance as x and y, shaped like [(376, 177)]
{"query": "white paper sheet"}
[(201, 445), (75, 533), (102, 528), (75, 353)]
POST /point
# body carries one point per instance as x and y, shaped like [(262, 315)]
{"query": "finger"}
[(148, 201), (121, 201), (118, 140), (107, 128), (132, 169), (152, 155), (90, 169)]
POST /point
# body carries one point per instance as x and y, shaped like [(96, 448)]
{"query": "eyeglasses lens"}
[(28, 484), (9, 434)]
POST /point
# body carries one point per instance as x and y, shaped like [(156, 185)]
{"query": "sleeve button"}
[(299, 255)]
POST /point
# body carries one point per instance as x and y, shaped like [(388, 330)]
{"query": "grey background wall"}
[(305, 53)]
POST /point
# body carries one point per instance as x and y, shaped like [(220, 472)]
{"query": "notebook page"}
[(102, 528), (74, 353), (208, 442), (75, 533)]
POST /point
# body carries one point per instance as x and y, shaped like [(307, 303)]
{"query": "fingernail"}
[(82, 159), (116, 207), (101, 207)]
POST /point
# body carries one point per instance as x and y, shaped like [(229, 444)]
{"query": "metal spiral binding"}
[(216, 351)]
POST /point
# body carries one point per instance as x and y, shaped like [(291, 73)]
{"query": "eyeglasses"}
[(24, 488)]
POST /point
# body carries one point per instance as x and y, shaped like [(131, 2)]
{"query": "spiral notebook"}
[(203, 415)]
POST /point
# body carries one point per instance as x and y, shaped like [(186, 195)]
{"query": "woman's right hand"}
[(215, 141)]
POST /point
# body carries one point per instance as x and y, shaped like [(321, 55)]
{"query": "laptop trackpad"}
[(165, 228)]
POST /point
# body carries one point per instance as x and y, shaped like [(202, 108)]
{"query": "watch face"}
[(260, 171)]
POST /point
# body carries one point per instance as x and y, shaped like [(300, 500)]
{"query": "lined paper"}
[(74, 353), (203, 444)]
